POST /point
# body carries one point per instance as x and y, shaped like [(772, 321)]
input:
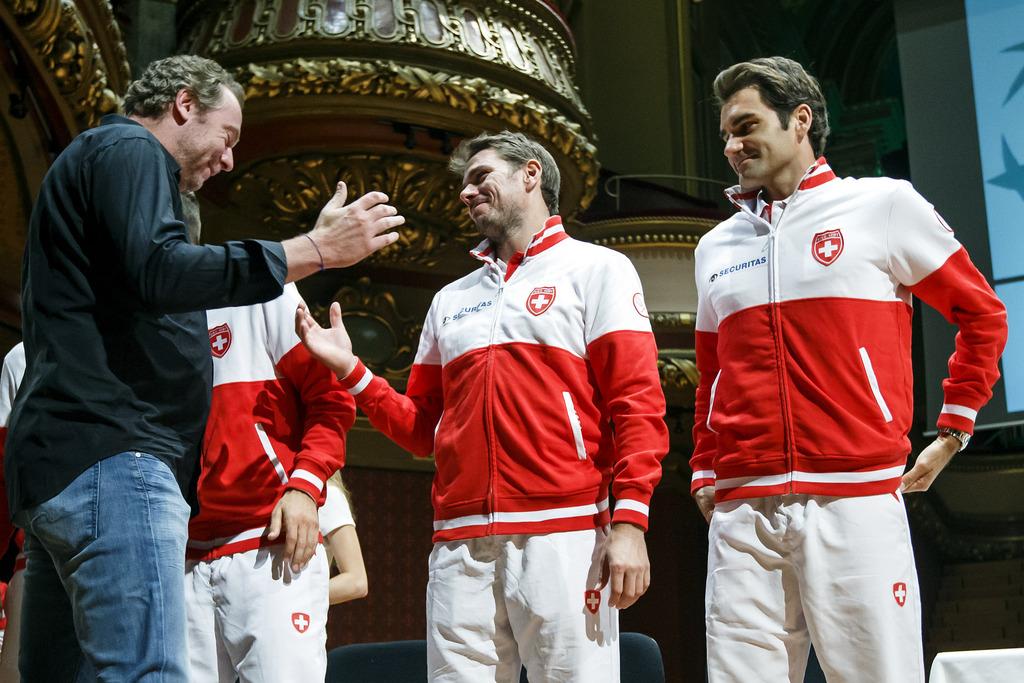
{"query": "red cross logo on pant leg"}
[(899, 592), (592, 600), (540, 300), (300, 621)]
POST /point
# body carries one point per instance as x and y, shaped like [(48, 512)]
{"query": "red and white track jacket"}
[(277, 421), (803, 337), (535, 387)]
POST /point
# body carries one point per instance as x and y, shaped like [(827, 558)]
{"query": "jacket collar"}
[(548, 236), (818, 174)]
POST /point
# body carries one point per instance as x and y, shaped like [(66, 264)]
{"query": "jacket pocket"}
[(711, 402), (268, 448), (865, 359), (574, 425)]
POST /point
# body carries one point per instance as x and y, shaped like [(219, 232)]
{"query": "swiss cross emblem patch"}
[(899, 593), (827, 246), (592, 600), (220, 340), (300, 621), (540, 300)]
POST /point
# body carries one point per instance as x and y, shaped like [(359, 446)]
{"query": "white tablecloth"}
[(978, 666)]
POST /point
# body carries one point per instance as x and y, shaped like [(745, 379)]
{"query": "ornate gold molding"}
[(392, 82), (383, 338), (286, 194), (661, 320), (647, 231), (62, 34), (677, 373), (524, 37)]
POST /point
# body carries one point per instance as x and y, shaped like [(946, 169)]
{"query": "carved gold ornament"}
[(524, 37), (393, 81), (62, 34), (287, 193), (678, 371)]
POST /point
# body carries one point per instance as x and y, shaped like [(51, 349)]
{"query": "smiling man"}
[(536, 389), (805, 395), (106, 425)]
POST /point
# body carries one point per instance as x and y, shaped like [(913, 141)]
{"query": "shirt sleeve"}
[(336, 511), (147, 247), (624, 359), (328, 411), (925, 257)]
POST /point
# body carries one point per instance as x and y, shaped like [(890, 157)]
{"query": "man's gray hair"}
[(784, 85), (160, 83), (516, 149)]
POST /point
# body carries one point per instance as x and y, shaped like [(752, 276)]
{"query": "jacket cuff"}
[(632, 511), (958, 417), (701, 477), (358, 379), (307, 482)]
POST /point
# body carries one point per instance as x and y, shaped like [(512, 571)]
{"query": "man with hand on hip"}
[(805, 396)]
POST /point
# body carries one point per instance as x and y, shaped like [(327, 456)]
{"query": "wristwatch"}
[(962, 437)]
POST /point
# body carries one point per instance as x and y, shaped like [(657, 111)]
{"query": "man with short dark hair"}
[(805, 396), (104, 431), (536, 389)]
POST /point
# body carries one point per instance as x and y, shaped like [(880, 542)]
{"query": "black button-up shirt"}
[(113, 304)]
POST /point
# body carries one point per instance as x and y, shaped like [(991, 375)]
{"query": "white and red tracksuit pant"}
[(784, 571), (496, 603), (251, 618)]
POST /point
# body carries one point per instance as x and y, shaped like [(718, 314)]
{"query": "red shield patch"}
[(899, 592), (827, 246), (300, 621), (220, 340), (592, 601), (540, 300)]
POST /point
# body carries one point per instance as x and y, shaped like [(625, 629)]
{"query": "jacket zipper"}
[(492, 465), (775, 321)]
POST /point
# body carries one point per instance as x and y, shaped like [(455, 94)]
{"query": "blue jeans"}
[(104, 580)]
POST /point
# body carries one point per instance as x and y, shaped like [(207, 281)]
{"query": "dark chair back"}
[(399, 661), (405, 661), (639, 660)]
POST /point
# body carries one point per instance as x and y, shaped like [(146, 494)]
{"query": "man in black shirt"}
[(105, 429)]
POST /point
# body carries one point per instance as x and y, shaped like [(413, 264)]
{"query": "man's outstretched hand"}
[(330, 346), (346, 234)]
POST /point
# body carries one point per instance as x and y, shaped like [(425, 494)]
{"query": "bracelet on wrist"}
[(313, 242)]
